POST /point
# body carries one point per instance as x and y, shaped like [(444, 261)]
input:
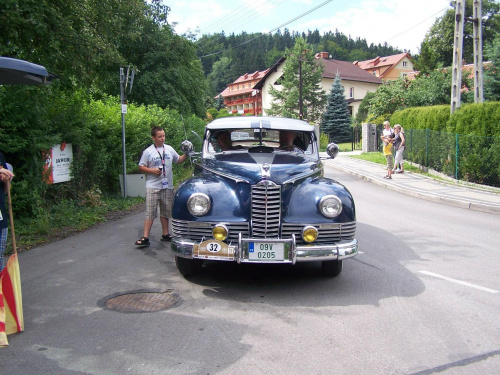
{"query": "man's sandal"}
[(166, 237), (144, 241)]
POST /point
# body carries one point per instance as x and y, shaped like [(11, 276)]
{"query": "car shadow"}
[(378, 272)]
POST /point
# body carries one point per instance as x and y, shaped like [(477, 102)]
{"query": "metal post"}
[(123, 101), (478, 52), (456, 156), (427, 148), (456, 80)]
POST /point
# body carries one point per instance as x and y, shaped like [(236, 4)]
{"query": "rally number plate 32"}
[(266, 251), (213, 249)]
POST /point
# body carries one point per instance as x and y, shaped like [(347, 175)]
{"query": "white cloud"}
[(195, 14)]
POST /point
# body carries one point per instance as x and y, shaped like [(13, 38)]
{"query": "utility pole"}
[(124, 81), (478, 51), (456, 78), (301, 113)]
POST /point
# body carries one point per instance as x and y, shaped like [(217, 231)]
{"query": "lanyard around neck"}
[(161, 157), (162, 160)]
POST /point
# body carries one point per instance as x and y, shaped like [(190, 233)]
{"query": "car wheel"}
[(188, 267), (331, 268)]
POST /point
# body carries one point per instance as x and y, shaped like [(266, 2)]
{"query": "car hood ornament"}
[(265, 170)]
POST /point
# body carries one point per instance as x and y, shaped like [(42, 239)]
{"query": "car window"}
[(226, 140)]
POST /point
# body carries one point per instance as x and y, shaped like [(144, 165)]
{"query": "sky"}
[(401, 23)]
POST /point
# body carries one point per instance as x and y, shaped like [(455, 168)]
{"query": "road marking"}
[(459, 282)]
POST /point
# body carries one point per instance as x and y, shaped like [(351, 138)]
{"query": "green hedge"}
[(434, 118), (33, 119), (478, 119), (465, 145)]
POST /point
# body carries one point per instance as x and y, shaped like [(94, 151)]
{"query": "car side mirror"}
[(332, 150)]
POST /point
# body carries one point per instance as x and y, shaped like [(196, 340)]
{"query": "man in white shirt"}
[(156, 162)]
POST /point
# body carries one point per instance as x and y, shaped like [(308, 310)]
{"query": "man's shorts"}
[(164, 197), (390, 161)]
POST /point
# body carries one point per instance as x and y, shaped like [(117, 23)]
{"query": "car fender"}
[(301, 200)]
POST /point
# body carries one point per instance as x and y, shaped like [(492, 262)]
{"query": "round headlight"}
[(198, 204), (309, 234), (330, 206), (220, 232)]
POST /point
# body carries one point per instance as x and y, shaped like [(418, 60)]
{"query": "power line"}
[(418, 24), (310, 11), (280, 26), (237, 15)]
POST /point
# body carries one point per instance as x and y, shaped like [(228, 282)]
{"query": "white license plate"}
[(266, 251)]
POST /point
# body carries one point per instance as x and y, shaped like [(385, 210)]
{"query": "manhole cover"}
[(137, 302)]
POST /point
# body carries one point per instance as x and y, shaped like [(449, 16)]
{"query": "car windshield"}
[(226, 140)]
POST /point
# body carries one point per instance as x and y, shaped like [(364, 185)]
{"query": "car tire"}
[(331, 268), (188, 267)]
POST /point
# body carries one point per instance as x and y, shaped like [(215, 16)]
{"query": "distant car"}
[(258, 203)]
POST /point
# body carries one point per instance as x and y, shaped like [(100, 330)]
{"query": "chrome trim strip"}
[(231, 177), (342, 250), (294, 250), (238, 252), (300, 176)]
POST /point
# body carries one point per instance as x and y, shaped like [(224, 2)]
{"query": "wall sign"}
[(57, 163)]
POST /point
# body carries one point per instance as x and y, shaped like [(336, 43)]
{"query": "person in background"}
[(5, 175), (387, 150), (399, 146), (387, 131), (156, 162)]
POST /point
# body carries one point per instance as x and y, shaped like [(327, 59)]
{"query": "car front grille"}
[(328, 234), (266, 210)]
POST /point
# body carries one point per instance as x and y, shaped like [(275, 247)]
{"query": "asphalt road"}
[(421, 298)]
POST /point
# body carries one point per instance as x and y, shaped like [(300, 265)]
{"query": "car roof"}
[(259, 122)]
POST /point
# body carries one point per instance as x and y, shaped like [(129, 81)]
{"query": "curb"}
[(462, 203)]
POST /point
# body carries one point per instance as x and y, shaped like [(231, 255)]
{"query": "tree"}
[(78, 40), (426, 62), (363, 109), (220, 103), (220, 76), (441, 35), (286, 98), (492, 72), (336, 120), (170, 74)]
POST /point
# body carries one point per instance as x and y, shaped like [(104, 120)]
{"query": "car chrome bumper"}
[(306, 253)]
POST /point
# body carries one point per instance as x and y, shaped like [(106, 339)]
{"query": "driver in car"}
[(224, 141)]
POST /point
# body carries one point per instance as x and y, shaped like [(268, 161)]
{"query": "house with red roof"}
[(241, 95), (388, 68), (356, 82)]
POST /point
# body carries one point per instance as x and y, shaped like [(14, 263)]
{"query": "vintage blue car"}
[(258, 195)]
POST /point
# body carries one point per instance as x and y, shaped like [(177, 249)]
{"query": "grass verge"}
[(69, 217), (379, 158)]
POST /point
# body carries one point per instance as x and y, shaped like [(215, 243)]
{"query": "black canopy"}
[(20, 72)]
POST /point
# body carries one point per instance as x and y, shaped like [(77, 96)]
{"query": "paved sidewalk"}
[(417, 185)]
